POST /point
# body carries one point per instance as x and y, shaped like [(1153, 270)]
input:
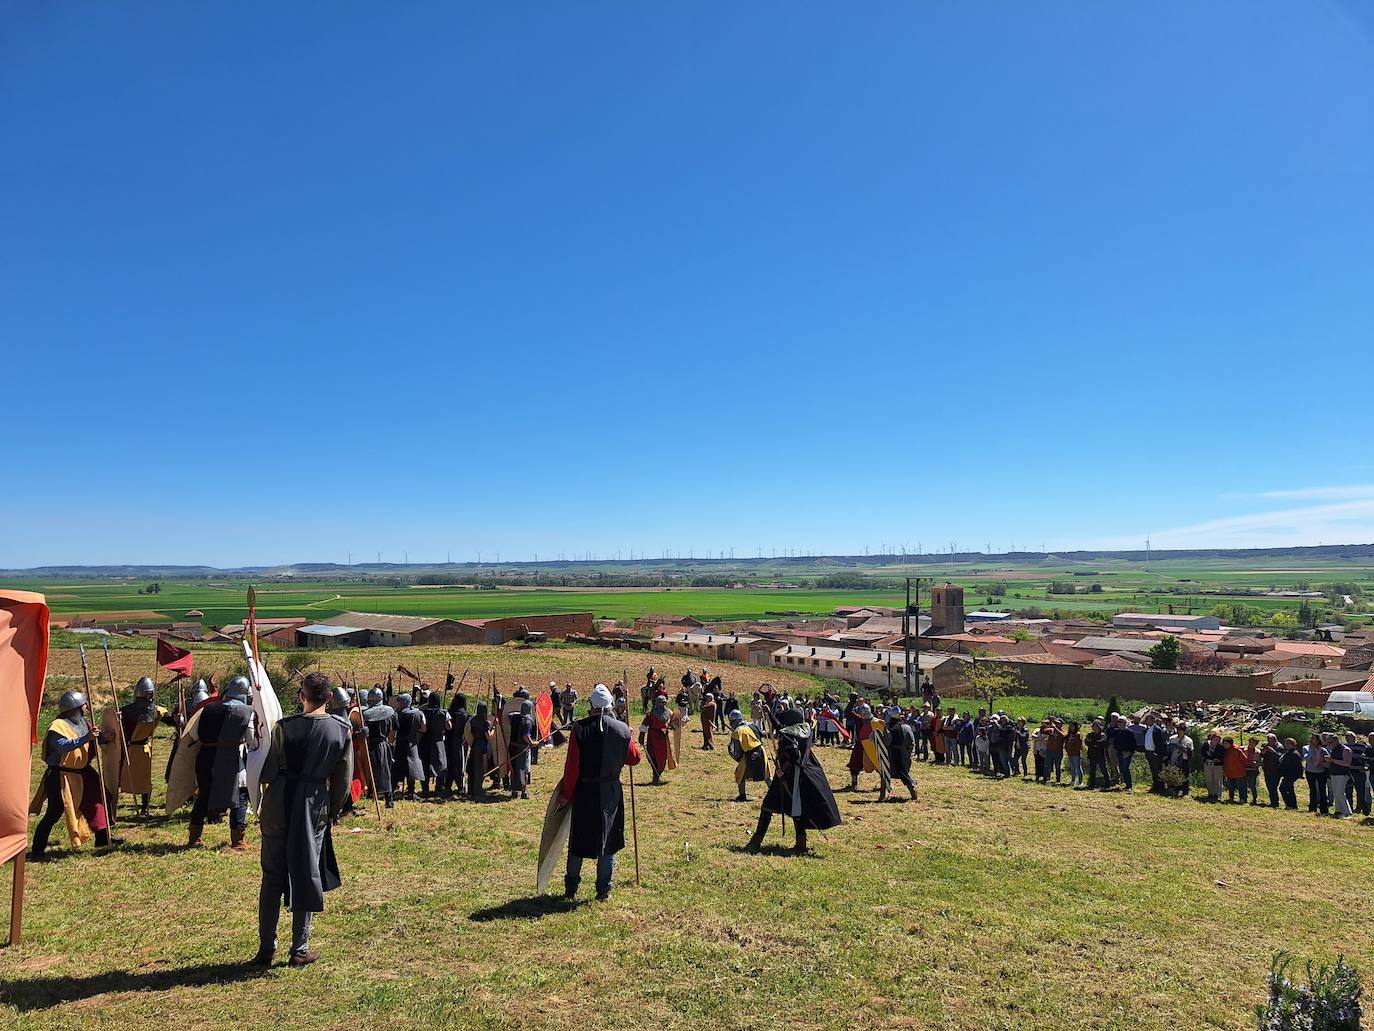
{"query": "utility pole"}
[(906, 635)]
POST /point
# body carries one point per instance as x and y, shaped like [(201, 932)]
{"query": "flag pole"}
[(114, 697), (17, 900)]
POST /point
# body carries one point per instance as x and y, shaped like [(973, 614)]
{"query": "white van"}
[(1351, 704)]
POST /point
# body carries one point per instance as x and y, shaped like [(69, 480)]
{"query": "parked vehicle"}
[(1356, 705)]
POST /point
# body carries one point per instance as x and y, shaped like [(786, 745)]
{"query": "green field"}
[(987, 905), (1177, 585)]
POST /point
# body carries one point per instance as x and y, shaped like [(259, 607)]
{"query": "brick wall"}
[(1144, 685), (507, 628), (1309, 694)]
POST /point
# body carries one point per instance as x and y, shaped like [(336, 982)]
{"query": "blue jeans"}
[(1123, 760), (1076, 770), (605, 870)]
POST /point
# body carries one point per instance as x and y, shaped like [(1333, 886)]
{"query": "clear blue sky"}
[(281, 282)]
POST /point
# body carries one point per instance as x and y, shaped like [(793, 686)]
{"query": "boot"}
[(853, 782), (390, 802), (193, 837), (741, 797), (236, 836), (800, 847), (756, 842)]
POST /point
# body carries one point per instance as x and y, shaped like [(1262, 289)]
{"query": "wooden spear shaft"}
[(114, 697), (634, 822), (99, 765), (17, 901)]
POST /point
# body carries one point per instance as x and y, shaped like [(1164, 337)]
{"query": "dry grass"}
[(986, 905)]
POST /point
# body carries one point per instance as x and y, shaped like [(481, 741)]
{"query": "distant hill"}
[(1324, 552)]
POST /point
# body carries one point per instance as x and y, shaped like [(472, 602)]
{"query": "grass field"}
[(986, 905), (1185, 587)]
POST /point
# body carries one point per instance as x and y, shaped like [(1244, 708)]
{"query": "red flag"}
[(23, 663), (170, 657)]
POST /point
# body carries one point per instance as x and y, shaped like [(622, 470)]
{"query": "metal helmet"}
[(201, 686), (735, 717), (145, 688), (404, 701), (526, 708), (238, 689), (70, 701), (198, 696), (375, 696), (338, 698)]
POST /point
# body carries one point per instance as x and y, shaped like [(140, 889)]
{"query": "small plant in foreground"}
[(1330, 1001)]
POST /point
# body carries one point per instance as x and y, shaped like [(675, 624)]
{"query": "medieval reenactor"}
[(225, 731), (305, 781), (456, 755), (433, 748), (140, 719), (684, 702), (901, 743), (521, 741), (380, 720), (860, 759), (477, 735), (71, 784), (567, 704), (654, 738), (799, 788), (746, 748), (598, 749), (410, 725), (200, 694), (708, 722), (621, 703)]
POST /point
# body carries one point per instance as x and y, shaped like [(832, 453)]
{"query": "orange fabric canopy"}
[(23, 665)]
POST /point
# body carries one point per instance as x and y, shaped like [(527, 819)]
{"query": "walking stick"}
[(634, 822), (99, 765)]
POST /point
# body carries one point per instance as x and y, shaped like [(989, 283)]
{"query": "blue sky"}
[(286, 282)]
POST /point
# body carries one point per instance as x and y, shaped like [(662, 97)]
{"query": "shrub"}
[(1330, 1001)]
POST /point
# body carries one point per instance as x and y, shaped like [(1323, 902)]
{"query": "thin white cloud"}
[(1340, 493), (1345, 522)]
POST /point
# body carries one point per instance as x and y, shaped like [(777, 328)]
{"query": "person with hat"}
[(599, 747), (410, 726), (226, 731), (901, 744), (654, 739), (457, 758), (140, 719), (746, 748), (522, 741), (799, 788), (71, 783), (860, 761), (433, 747), (379, 719)]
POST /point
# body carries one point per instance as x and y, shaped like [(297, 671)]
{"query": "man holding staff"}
[(71, 785), (598, 749)]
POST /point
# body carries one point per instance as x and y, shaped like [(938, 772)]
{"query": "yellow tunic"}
[(136, 778), (747, 740), (73, 767)]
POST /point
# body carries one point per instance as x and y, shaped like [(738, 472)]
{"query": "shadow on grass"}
[(156, 848), (772, 850), (42, 992), (535, 907)]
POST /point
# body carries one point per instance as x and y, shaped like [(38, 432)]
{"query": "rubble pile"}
[(1239, 717)]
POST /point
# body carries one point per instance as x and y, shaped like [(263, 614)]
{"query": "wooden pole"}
[(114, 697), (17, 901), (99, 764), (634, 822)]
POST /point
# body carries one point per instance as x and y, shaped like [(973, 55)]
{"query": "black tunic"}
[(598, 816), (799, 787), (306, 779), (433, 753), (900, 744), (408, 744), (453, 740), (380, 720), (222, 728)]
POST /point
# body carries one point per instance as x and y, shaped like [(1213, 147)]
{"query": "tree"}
[(989, 680), (1021, 634), (1165, 654), (1283, 619)]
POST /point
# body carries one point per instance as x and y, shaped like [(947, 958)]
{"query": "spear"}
[(114, 697), (99, 766), (367, 756), (634, 822)]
